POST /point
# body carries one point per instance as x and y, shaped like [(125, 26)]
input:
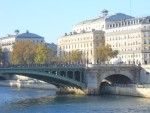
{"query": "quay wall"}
[(130, 90)]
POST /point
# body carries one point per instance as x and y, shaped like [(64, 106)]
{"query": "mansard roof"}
[(28, 35), (113, 17)]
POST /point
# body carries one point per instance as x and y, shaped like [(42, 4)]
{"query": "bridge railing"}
[(129, 85), (44, 66)]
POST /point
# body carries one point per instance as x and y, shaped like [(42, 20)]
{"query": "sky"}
[(52, 18)]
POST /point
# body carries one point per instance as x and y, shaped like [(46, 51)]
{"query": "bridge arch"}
[(122, 77), (77, 75), (63, 73), (116, 79), (70, 74)]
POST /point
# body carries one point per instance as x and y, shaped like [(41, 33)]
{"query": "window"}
[(128, 23), (144, 41), (145, 55), (97, 44), (91, 44)]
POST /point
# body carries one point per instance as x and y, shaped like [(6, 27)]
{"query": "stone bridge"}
[(98, 75)]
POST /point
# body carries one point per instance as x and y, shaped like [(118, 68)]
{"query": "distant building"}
[(7, 42), (53, 47), (127, 34)]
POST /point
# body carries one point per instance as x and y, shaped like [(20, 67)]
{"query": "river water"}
[(14, 100)]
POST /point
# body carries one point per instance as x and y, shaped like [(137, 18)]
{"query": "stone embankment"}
[(27, 84), (130, 90)]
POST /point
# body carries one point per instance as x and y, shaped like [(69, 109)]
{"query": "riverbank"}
[(119, 89), (129, 90)]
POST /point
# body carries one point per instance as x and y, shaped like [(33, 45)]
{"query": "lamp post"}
[(133, 56), (87, 58)]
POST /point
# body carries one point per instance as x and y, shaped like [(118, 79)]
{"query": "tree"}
[(23, 52), (105, 53), (74, 56), (43, 54), (51, 58)]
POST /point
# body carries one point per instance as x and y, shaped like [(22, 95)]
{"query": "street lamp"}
[(133, 56), (83, 58), (87, 59)]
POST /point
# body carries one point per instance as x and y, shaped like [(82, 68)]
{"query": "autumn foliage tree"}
[(27, 52), (43, 54), (73, 57), (23, 52), (104, 53)]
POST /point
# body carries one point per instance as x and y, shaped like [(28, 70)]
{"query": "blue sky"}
[(52, 18)]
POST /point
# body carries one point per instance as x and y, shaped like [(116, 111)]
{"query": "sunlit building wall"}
[(85, 42)]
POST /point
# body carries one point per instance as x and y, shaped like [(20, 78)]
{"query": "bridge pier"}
[(92, 82), (70, 90)]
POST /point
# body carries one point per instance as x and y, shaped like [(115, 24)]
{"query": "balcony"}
[(127, 31), (145, 51), (145, 29)]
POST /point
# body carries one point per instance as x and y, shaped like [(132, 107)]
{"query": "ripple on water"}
[(43, 101)]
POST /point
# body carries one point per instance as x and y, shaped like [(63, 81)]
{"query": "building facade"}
[(131, 37), (89, 35), (53, 48)]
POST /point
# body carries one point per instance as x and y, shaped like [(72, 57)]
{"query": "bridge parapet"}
[(110, 65)]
